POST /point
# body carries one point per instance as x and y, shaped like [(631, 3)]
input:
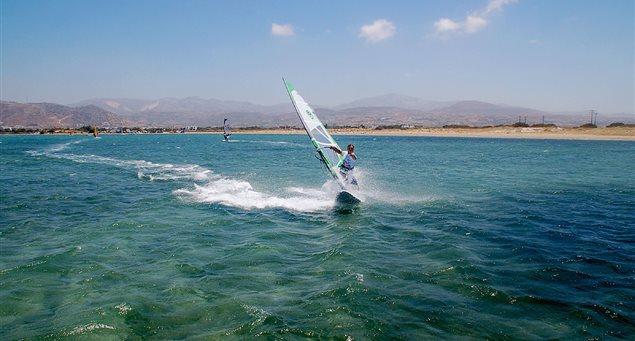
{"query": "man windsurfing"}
[(347, 164)]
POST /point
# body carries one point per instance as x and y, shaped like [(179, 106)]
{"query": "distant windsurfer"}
[(225, 131), (347, 165)]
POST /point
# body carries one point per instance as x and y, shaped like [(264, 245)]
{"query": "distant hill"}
[(377, 110), (44, 115), (478, 107), (396, 101), (387, 109), (189, 105)]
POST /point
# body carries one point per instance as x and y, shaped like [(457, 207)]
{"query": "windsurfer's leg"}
[(344, 175)]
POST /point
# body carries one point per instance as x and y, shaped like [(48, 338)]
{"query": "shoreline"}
[(546, 133), (602, 134)]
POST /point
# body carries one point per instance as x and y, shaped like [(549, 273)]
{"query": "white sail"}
[(226, 129), (320, 137)]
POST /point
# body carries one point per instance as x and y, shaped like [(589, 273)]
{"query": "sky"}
[(562, 55)]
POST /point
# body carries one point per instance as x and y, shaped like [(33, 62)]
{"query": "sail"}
[(226, 128), (320, 137)]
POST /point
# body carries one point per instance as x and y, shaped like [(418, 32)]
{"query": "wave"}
[(216, 189), (239, 193), (53, 149), (79, 330), (211, 188), (145, 169), (275, 143)]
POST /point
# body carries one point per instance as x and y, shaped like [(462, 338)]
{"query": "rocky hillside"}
[(390, 109), (45, 115)]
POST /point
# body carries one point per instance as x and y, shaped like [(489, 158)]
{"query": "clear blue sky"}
[(544, 54)]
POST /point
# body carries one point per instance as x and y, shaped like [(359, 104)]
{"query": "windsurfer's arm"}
[(335, 149)]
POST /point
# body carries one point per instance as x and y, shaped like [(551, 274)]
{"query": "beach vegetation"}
[(520, 124), (456, 126), (620, 124)]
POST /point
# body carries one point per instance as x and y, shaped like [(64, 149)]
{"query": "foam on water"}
[(89, 328), (374, 191), (215, 189), (145, 169), (50, 151), (239, 193)]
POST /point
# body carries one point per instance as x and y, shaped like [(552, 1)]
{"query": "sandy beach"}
[(615, 133), (554, 133)]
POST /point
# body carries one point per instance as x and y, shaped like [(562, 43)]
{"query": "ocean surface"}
[(174, 236)]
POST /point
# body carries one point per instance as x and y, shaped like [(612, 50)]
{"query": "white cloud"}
[(473, 22), (446, 25), (379, 30), (283, 30), (497, 5)]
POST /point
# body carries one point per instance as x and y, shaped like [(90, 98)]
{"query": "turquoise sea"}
[(175, 236)]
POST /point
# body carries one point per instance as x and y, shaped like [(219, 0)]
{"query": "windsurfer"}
[(225, 131), (348, 163)]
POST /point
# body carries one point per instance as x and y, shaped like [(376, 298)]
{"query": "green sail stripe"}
[(290, 87)]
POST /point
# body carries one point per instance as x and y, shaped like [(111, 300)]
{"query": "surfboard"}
[(346, 198), (320, 138)]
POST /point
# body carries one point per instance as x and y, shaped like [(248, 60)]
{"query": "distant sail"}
[(226, 130), (320, 137), (95, 132)]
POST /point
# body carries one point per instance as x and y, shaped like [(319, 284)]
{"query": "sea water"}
[(173, 236)]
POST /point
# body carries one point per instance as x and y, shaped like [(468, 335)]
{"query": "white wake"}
[(239, 193), (210, 188), (145, 169), (207, 187)]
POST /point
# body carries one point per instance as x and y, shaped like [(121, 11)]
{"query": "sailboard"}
[(322, 141), (226, 131)]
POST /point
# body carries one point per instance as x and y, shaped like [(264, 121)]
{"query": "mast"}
[(294, 105)]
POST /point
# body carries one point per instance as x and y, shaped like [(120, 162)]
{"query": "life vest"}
[(348, 163)]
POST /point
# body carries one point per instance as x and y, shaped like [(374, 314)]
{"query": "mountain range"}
[(389, 109), (56, 115)]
